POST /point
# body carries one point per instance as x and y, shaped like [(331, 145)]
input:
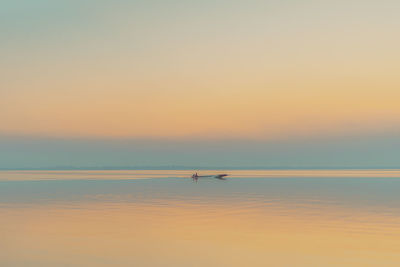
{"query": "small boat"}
[(195, 176)]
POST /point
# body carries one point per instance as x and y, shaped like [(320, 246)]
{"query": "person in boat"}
[(195, 177)]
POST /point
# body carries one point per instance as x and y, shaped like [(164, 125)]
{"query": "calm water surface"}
[(162, 218)]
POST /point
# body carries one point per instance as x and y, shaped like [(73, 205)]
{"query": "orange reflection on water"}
[(172, 233), (143, 174)]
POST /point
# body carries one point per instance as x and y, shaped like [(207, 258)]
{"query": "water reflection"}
[(143, 174), (174, 222)]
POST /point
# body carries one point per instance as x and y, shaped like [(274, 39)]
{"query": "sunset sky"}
[(210, 83)]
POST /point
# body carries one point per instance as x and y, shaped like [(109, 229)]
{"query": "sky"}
[(199, 83)]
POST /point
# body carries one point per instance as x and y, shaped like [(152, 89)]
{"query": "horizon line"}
[(108, 168)]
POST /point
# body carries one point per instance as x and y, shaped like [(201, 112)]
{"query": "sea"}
[(165, 218)]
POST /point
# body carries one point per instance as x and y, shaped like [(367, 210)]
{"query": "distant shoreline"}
[(194, 168)]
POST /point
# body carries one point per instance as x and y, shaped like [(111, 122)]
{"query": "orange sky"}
[(248, 70)]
